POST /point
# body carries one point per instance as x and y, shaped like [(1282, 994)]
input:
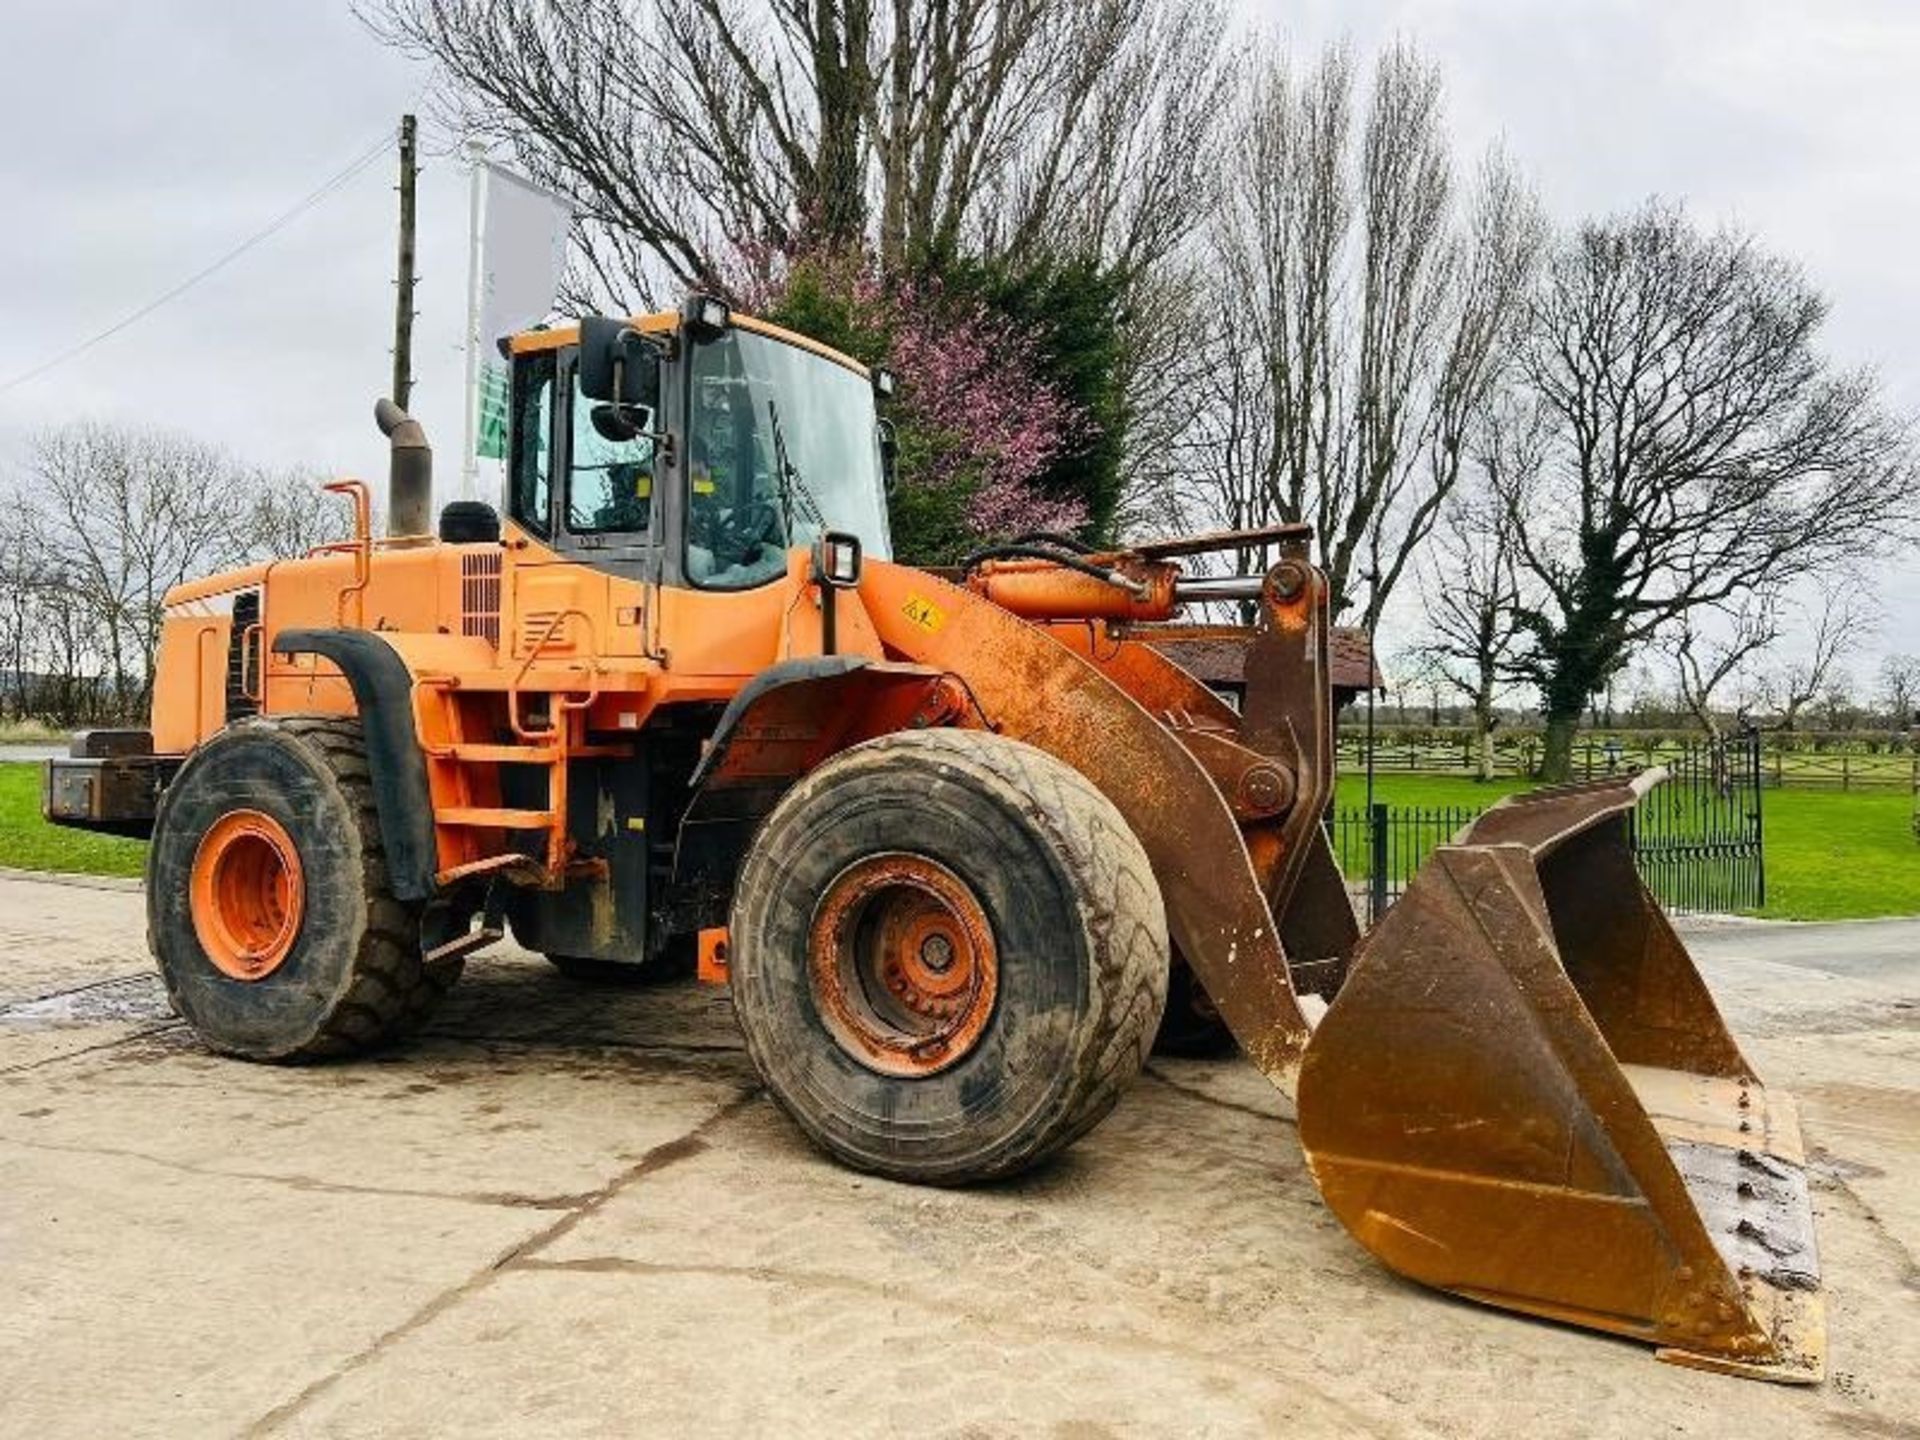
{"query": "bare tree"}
[(1416, 676), (103, 521), (52, 654), (1370, 314), (111, 519), (1900, 690), (22, 584), (1707, 659), (689, 132), (1703, 449), (1472, 594), (288, 513), (139, 512), (1846, 617), (1838, 707)]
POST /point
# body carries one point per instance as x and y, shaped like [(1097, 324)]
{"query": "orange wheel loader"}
[(944, 836)]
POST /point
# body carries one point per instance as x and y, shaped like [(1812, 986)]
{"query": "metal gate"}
[(1698, 838)]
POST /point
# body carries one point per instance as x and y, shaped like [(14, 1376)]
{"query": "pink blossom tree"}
[(978, 424)]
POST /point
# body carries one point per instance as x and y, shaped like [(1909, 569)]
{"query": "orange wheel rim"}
[(247, 894), (903, 966)]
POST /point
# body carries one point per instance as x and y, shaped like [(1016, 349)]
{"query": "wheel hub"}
[(903, 965), (247, 894)]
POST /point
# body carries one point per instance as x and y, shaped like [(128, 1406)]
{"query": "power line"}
[(273, 227)]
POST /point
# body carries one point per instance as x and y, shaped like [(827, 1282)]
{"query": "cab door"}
[(587, 490)]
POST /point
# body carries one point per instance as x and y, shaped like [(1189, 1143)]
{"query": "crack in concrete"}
[(151, 1030), (1153, 1072), (311, 1184), (667, 1153)]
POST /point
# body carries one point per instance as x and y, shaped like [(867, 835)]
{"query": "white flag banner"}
[(522, 257)]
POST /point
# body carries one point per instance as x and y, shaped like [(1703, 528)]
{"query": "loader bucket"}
[(1524, 1094)]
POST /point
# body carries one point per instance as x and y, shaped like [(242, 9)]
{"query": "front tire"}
[(269, 911), (949, 956)]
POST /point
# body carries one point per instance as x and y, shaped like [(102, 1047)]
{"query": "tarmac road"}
[(570, 1211)]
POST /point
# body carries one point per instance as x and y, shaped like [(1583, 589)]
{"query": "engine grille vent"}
[(539, 633), (480, 596)]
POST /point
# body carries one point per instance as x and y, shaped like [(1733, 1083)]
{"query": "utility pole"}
[(403, 286), (476, 209)]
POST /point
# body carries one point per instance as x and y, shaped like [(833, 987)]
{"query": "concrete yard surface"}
[(570, 1210)]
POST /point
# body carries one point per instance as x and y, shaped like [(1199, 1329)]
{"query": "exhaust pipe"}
[(410, 471)]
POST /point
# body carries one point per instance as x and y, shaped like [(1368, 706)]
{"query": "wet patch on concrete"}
[(131, 999)]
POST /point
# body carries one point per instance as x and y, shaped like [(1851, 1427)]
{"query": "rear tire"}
[(949, 956), (285, 943)]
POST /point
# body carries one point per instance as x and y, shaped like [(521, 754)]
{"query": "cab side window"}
[(532, 461), (609, 469)]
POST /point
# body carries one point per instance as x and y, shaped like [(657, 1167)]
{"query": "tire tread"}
[(1122, 913), (392, 989)]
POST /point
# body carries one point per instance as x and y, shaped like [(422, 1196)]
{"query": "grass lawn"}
[(1830, 856), (28, 843), (1840, 856), (1424, 790)]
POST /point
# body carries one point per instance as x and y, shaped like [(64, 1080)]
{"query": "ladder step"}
[(494, 819), (497, 754)]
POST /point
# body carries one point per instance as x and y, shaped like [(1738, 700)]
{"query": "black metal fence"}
[(1697, 839), (1381, 849), (1789, 760)]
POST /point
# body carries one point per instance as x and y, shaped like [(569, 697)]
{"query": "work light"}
[(836, 560), (705, 316)]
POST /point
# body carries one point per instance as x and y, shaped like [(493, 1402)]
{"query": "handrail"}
[(361, 545), (251, 675), (553, 730)]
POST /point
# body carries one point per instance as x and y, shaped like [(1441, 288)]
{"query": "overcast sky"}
[(144, 141)]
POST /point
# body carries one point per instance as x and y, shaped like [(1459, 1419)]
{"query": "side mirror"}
[(618, 424), (617, 364), (889, 454)]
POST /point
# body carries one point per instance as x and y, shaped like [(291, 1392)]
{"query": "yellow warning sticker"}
[(703, 487), (924, 613)]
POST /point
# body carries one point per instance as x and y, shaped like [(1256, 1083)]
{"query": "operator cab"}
[(694, 449)]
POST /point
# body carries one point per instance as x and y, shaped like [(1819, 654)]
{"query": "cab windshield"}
[(783, 445)]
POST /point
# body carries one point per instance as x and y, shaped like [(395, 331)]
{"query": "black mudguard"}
[(383, 692)]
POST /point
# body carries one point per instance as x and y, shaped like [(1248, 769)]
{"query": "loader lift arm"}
[(1522, 1091)]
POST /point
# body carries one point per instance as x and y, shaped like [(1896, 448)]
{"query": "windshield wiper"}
[(792, 487)]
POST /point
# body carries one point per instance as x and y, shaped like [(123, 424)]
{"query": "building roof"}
[(1216, 655)]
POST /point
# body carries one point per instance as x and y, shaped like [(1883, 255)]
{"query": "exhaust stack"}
[(410, 471)]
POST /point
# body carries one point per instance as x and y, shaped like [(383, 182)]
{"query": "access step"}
[(480, 754), (483, 817)]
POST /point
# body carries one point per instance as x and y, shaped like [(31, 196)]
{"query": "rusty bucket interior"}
[(1525, 1094)]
